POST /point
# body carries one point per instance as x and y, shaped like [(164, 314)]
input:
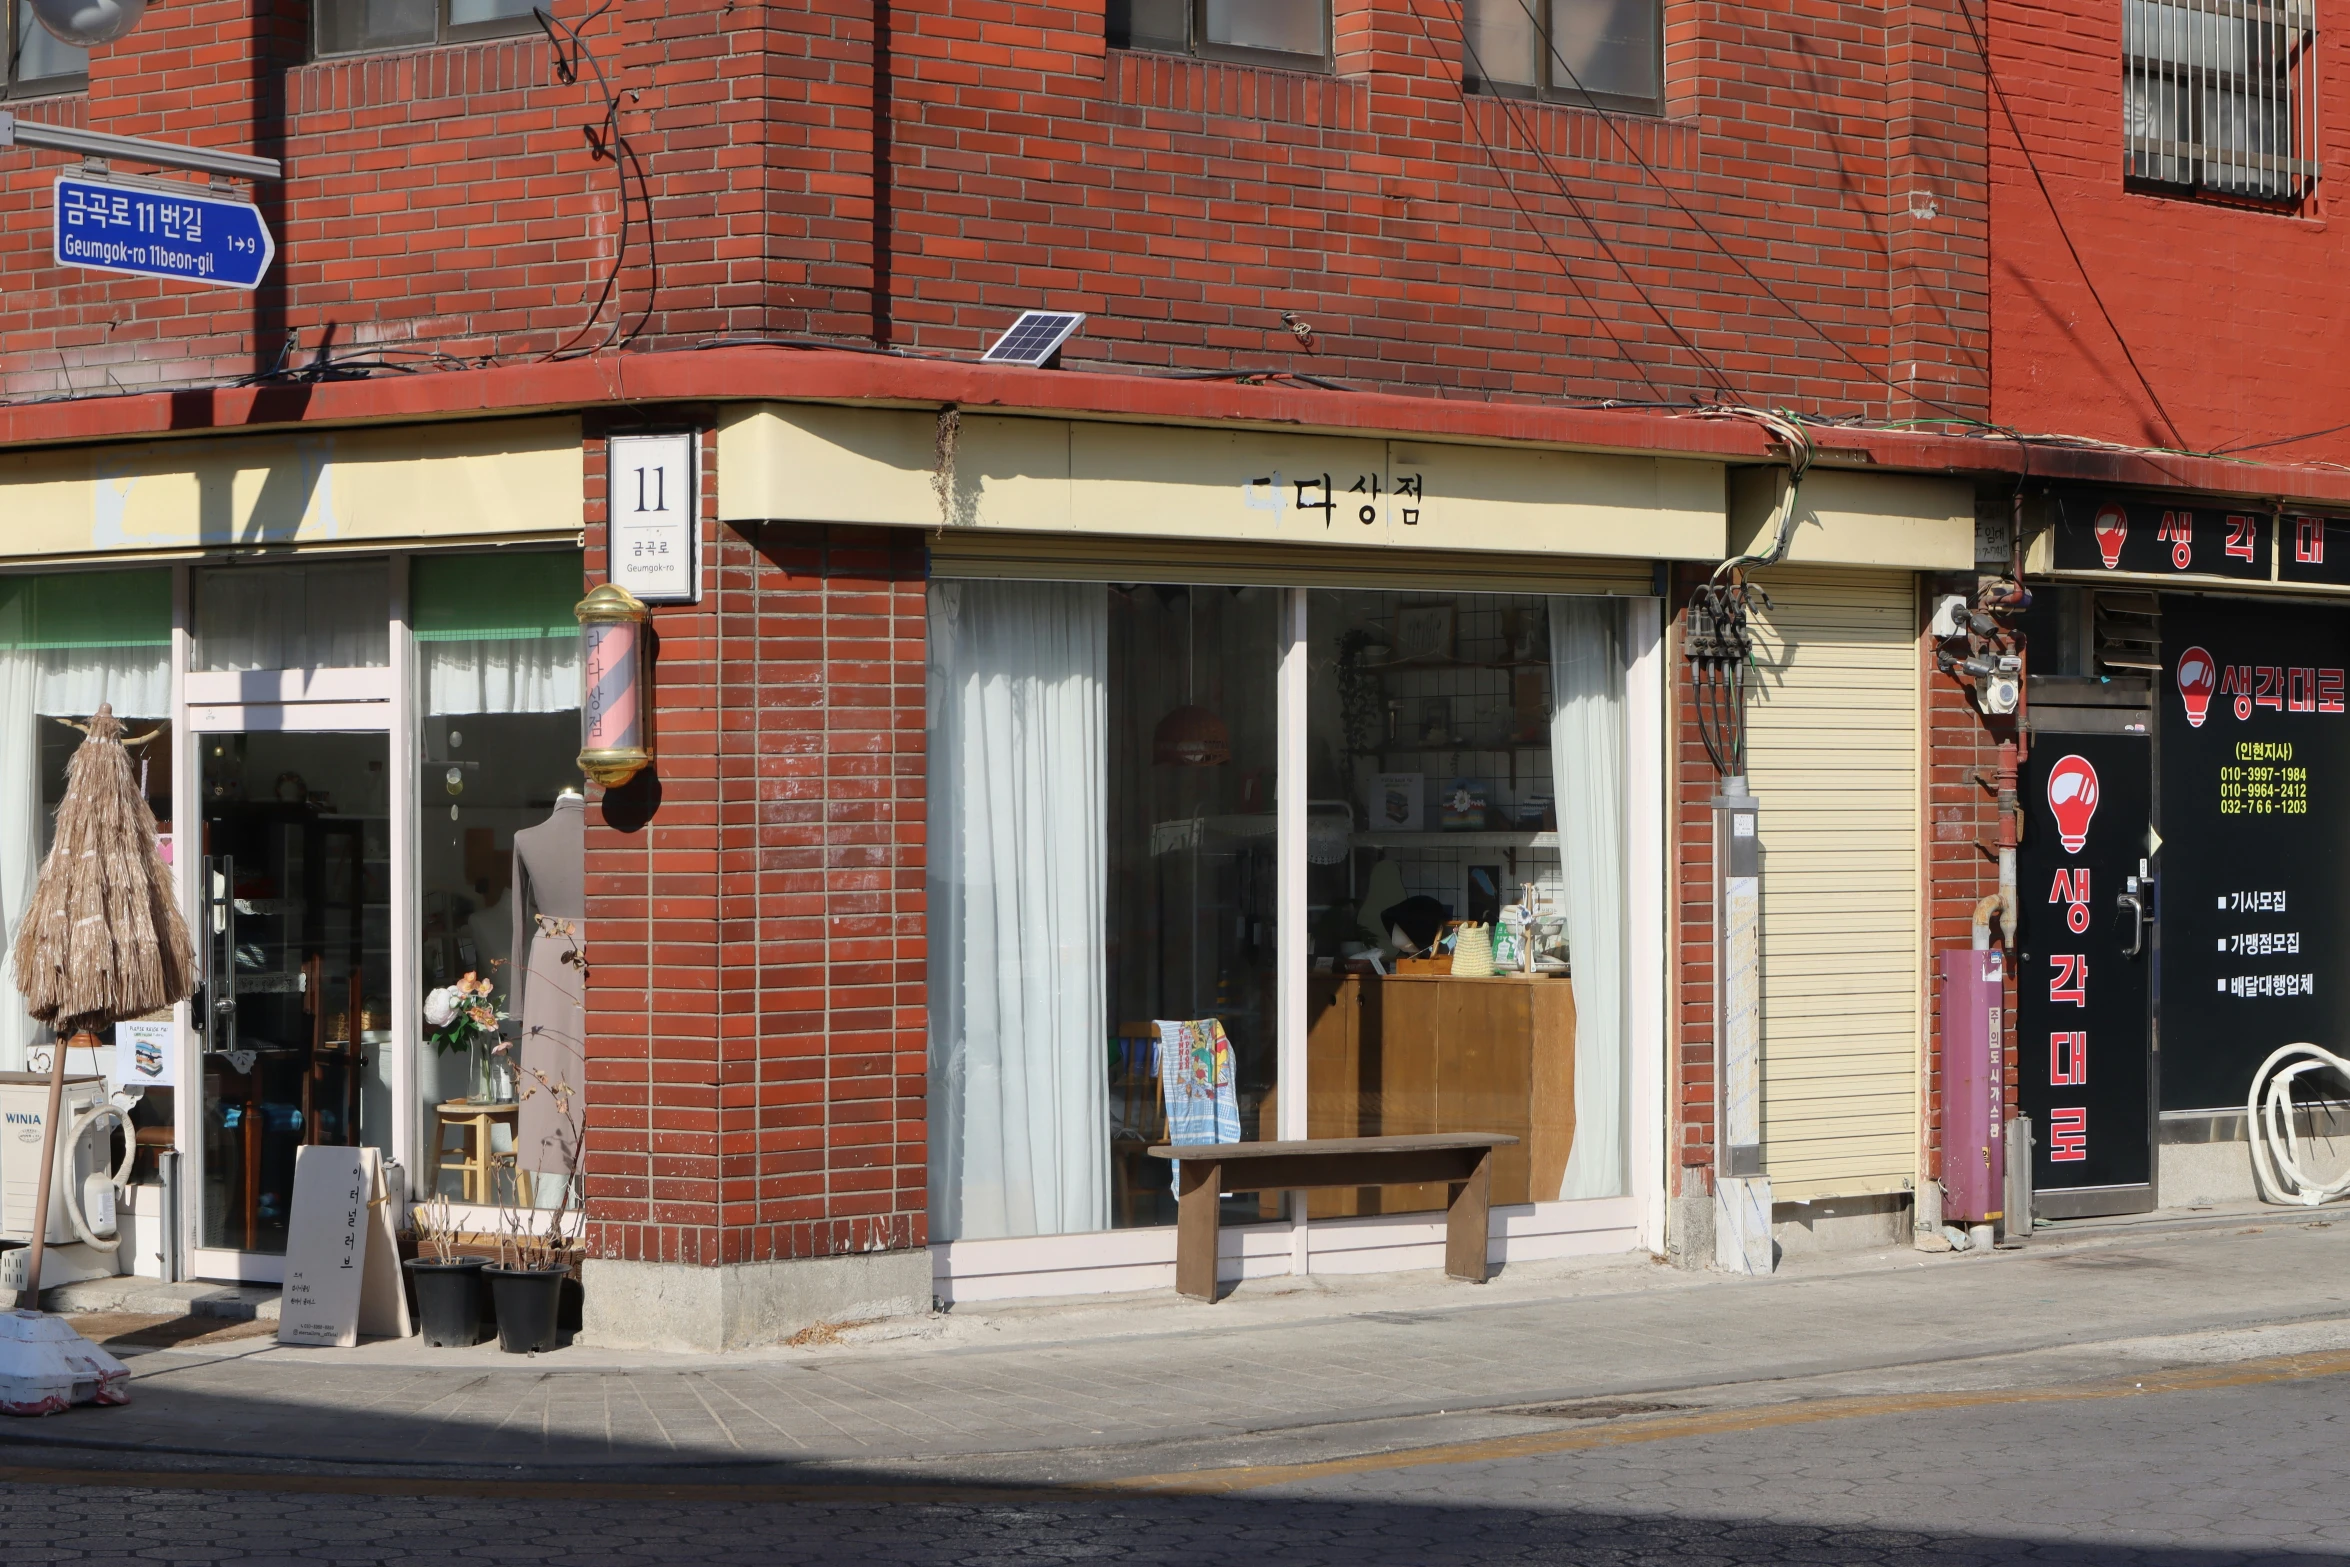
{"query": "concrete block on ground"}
[(678, 1306), (152, 1297), (2216, 1173), (1830, 1224), (1689, 1223), (1742, 1225)]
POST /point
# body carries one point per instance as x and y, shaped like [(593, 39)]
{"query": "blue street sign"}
[(156, 233)]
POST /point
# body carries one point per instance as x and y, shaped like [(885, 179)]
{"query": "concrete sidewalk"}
[(1139, 1385)]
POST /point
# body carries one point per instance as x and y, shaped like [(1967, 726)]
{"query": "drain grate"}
[(1595, 1409)]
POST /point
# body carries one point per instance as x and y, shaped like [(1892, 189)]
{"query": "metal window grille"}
[(2220, 96)]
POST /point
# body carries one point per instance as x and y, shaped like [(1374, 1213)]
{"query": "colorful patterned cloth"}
[(1195, 1073)]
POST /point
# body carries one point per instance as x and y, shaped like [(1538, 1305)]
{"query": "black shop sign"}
[(2112, 531), (2255, 821), (2100, 531)]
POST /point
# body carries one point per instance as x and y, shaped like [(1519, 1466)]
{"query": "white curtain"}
[(69, 682), (1587, 765), (499, 674), (1019, 1085), (20, 814), (316, 615)]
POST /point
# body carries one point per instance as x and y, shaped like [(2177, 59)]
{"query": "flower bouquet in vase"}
[(463, 1018)]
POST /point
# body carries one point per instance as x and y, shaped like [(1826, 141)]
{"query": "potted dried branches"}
[(448, 1287), (534, 1250)]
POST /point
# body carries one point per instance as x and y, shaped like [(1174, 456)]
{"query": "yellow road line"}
[(1623, 1432), (1732, 1422)]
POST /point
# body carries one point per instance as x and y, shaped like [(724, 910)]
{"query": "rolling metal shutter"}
[(1832, 752)]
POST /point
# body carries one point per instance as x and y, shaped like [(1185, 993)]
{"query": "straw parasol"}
[(103, 939)]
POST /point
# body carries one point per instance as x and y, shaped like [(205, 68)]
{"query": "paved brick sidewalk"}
[(973, 1393)]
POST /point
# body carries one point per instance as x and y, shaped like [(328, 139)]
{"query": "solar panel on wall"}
[(1034, 338)]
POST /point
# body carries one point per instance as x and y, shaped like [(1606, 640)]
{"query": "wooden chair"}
[(477, 1147), (1141, 1120)]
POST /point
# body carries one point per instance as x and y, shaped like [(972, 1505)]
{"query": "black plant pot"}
[(528, 1301), (448, 1300)]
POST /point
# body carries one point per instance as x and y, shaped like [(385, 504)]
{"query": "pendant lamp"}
[(1190, 735)]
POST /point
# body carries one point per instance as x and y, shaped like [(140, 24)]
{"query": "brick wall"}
[(1690, 1042), (1188, 204), (1962, 856), (445, 201), (2217, 302), (756, 1009)]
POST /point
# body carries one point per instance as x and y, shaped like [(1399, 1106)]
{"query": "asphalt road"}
[(2233, 1463)]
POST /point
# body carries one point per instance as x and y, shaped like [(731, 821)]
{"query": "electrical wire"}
[(1323, 382), (1719, 636), (613, 144), (1534, 226), (810, 343), (2015, 129), (2232, 447), (1609, 121), (1718, 641), (1789, 430)]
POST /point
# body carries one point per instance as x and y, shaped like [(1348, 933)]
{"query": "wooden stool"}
[(478, 1158)]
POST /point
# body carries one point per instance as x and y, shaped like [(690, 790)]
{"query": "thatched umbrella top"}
[(102, 939)]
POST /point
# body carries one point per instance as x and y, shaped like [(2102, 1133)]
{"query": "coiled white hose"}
[(2276, 1141), (76, 1213)]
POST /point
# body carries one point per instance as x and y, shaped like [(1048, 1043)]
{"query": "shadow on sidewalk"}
[(1276, 1531)]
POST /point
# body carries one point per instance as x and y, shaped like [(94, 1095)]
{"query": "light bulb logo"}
[(2072, 795), (2112, 528), (2198, 678)]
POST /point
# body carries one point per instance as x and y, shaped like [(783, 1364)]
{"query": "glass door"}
[(296, 907)]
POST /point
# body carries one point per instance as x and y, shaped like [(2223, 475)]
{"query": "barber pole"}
[(615, 742)]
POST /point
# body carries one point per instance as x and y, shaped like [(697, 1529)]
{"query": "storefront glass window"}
[(1102, 877), (310, 615), (1105, 884), (497, 674), (296, 917), (1465, 840), (67, 644)]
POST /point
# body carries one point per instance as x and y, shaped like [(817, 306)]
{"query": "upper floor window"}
[(1292, 33), (38, 61), (2220, 96), (1605, 54), (351, 26)]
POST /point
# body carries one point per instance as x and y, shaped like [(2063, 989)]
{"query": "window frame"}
[(1544, 90), (445, 32), (2202, 158), (1197, 47), (13, 15)]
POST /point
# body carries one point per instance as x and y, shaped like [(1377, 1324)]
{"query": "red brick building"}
[(2150, 284), (1376, 481), (2158, 199)]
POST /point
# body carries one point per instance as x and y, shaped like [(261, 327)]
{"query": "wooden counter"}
[(1414, 1053)]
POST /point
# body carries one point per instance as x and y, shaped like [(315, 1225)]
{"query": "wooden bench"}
[(1463, 1160)]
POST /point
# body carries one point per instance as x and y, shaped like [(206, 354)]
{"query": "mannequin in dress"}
[(547, 994)]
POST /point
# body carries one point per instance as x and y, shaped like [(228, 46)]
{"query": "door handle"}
[(2134, 906)]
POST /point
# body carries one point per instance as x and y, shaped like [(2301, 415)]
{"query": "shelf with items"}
[(1458, 747), (1401, 665), (1455, 840)]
